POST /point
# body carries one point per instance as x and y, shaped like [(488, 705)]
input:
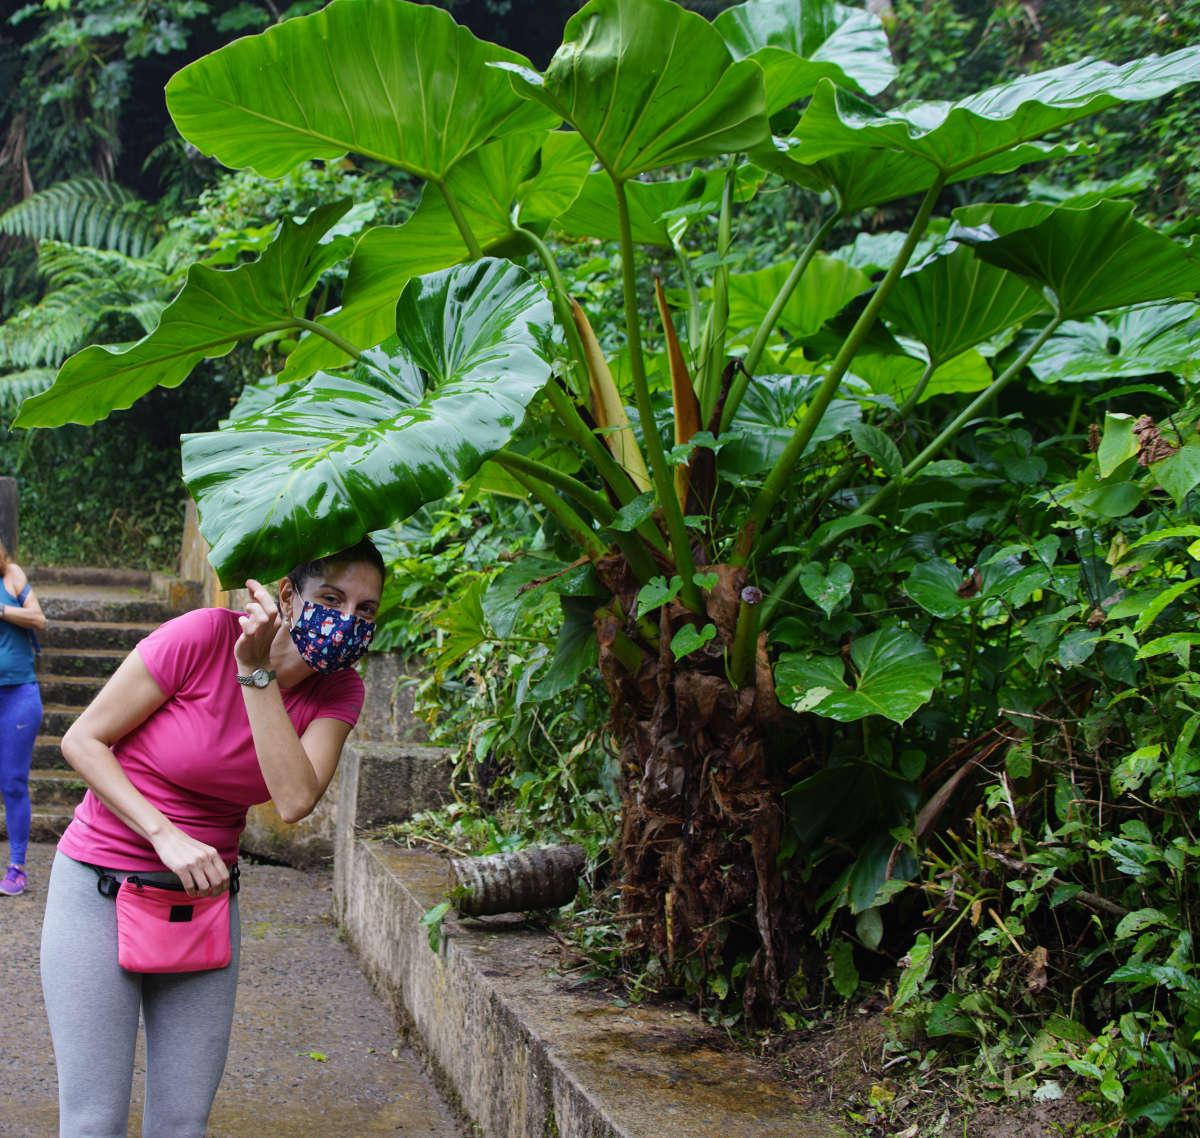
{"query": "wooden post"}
[(8, 514)]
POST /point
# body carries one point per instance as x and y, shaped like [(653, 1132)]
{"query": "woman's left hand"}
[(259, 625)]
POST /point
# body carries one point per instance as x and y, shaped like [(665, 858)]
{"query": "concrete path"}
[(313, 1052)]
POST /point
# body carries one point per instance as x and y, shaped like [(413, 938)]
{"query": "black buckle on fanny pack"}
[(107, 885)]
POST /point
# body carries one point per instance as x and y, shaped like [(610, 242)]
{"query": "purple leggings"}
[(20, 719)]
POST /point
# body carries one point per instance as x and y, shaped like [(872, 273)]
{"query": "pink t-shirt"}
[(194, 756)]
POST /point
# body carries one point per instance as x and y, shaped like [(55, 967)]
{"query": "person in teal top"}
[(20, 711)]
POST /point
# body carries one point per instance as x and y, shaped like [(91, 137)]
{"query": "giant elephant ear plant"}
[(424, 373)]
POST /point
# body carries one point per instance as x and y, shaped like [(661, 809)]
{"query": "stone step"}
[(56, 719), (88, 578), (115, 605), (68, 691), (44, 826), (47, 753), (89, 664), (55, 790), (86, 635)]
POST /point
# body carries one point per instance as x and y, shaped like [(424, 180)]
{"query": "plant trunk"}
[(702, 815)]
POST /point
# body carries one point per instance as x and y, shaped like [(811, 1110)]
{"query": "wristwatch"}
[(259, 678)]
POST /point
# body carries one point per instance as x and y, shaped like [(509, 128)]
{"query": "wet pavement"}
[(313, 1053)]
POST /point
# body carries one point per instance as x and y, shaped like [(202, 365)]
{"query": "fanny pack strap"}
[(107, 884)]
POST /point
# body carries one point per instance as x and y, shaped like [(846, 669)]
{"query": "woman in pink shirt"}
[(211, 713)]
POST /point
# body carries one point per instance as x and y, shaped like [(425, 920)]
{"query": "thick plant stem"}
[(316, 329), (914, 397), (639, 559), (610, 470), (562, 305), (460, 220), (594, 549), (777, 481), (763, 334), (664, 483), (745, 636)]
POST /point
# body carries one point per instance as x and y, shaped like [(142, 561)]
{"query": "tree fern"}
[(87, 288), (84, 211)]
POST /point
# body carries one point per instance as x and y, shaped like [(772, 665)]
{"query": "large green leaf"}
[(897, 374), (525, 178), (387, 79), (341, 456), (1095, 259), (654, 207), (895, 672), (956, 136), (649, 84), (955, 301), (798, 42), (215, 309), (871, 176), (1140, 341), (826, 287)]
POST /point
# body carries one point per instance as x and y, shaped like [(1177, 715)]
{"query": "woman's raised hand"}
[(259, 625)]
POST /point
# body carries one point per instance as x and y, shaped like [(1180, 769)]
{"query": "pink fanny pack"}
[(161, 929)]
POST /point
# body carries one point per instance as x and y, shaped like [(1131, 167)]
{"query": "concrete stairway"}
[(93, 618)]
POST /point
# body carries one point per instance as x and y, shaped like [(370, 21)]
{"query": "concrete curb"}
[(520, 1053)]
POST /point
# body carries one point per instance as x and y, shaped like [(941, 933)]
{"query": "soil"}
[(313, 1050), (858, 1071)]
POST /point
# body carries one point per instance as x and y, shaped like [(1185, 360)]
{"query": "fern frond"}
[(88, 288), (16, 386), (84, 211)]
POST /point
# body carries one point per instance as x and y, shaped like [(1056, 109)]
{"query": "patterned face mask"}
[(328, 640)]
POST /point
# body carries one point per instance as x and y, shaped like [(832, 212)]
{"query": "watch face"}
[(261, 677)]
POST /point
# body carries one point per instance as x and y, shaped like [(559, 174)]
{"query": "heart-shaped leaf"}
[(827, 590), (390, 80), (215, 309), (798, 42), (341, 456), (649, 84), (895, 673)]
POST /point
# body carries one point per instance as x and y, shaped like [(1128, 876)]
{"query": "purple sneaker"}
[(14, 881)]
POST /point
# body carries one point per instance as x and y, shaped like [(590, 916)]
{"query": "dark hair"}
[(363, 550)]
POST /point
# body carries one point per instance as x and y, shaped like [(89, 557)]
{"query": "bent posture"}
[(211, 713)]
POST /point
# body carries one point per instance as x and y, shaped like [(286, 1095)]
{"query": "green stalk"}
[(664, 483), (902, 412), (745, 637), (777, 481), (635, 553), (972, 409), (325, 333), (591, 545), (562, 304), (714, 348), (693, 293), (763, 334), (460, 220)]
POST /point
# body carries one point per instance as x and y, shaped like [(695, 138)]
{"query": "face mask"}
[(328, 640)]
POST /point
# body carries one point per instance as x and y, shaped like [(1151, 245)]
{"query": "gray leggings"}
[(93, 1007)]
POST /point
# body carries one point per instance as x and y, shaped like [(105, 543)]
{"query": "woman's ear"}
[(286, 592)]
